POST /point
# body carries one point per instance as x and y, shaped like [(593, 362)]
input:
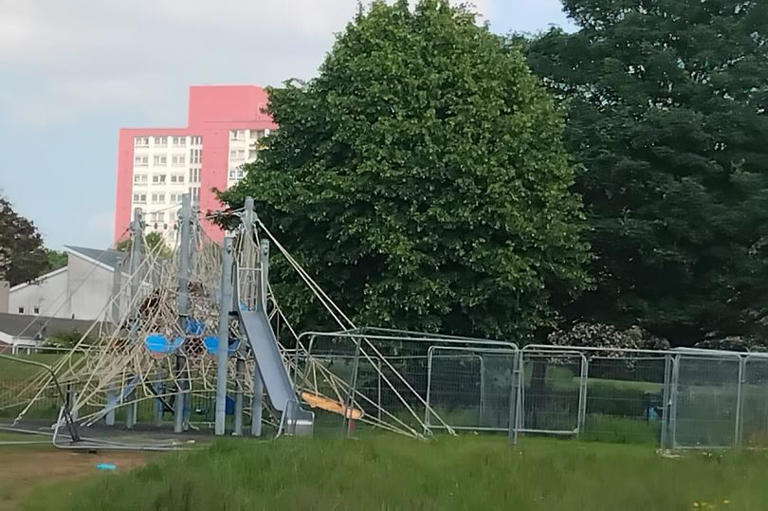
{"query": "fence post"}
[(665, 401), (515, 398), (737, 440), (427, 415), (581, 414), (673, 399)]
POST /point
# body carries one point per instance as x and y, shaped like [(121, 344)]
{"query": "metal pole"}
[(109, 417), (739, 404), (239, 375), (256, 402), (673, 401), (185, 232), (137, 250), (117, 283), (263, 288), (482, 389), (225, 306), (178, 405), (665, 402), (159, 407)]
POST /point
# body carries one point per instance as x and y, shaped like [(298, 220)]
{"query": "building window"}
[(237, 134), (21, 310), (160, 160), (253, 154), (140, 141), (176, 198), (161, 141), (157, 216), (158, 179), (195, 140), (257, 134), (158, 198), (195, 155), (194, 175), (177, 160), (139, 179), (179, 141), (177, 178), (194, 194), (236, 173), (36, 310), (139, 198), (140, 161)]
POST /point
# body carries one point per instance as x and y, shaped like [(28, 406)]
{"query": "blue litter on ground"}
[(106, 466)]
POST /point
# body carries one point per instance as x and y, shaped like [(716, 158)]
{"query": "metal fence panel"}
[(705, 401)]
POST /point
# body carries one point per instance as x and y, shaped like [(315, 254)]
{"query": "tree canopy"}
[(666, 104), (421, 178), (22, 256)]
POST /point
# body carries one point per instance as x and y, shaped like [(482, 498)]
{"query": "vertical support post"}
[(482, 390), (248, 261), (222, 355), (159, 391), (427, 409), (117, 284), (581, 417), (185, 245), (257, 402), (350, 402), (378, 387), (739, 403), (665, 402), (239, 375), (516, 399), (130, 413), (137, 252), (109, 418), (178, 405), (673, 396), (263, 287), (71, 399)]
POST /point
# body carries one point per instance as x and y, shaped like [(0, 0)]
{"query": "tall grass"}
[(391, 473)]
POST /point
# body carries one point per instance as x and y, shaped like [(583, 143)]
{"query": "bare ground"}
[(24, 468)]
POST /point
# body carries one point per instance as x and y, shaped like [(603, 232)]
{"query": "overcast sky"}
[(74, 71)]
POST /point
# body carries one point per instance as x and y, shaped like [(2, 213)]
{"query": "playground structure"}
[(204, 322), (199, 337)]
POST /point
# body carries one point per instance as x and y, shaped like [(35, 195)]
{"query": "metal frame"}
[(471, 352)]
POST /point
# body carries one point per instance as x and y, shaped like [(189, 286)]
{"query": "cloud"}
[(64, 61)]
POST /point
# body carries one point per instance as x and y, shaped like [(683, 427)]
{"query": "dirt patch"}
[(21, 469)]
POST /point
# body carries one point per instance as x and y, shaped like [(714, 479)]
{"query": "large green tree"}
[(22, 256), (422, 179), (666, 103)]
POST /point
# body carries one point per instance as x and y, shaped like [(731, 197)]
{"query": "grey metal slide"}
[(263, 342)]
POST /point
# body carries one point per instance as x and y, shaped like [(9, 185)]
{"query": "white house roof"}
[(107, 259)]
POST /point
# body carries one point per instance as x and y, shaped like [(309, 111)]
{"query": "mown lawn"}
[(391, 473)]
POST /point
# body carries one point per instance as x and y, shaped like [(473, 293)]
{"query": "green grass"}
[(11, 370), (390, 473)]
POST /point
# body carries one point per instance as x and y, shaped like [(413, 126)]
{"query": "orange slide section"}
[(324, 403)]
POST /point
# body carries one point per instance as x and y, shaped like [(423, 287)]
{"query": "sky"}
[(75, 71)]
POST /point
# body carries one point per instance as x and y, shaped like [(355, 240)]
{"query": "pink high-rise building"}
[(155, 166)]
